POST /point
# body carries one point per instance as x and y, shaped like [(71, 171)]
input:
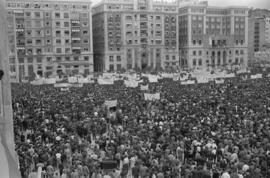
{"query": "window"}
[(111, 67), (58, 50), (194, 62), (85, 32), (66, 33), (30, 60), (118, 58), (58, 33), (173, 57), (194, 42), (58, 41), (39, 60), (48, 32), (28, 14), (49, 59), (47, 23), (84, 24), (118, 67), (66, 15), (86, 58), (194, 53), (21, 60), (67, 41), (67, 50), (47, 14), (158, 18), (66, 24), (29, 41), (200, 62), (57, 15), (38, 32), (37, 23), (167, 57), (37, 14), (200, 53), (111, 58), (57, 24)]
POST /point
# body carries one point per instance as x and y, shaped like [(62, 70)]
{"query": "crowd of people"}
[(193, 131)]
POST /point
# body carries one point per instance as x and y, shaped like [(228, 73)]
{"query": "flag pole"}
[(6, 113)]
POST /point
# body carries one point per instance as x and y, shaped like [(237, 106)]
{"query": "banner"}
[(202, 80), (151, 97), (110, 103), (189, 82), (76, 85), (72, 79), (144, 87), (166, 75), (61, 85), (105, 81), (38, 82), (50, 81), (257, 76), (221, 81), (152, 78), (84, 80), (64, 89), (131, 83)]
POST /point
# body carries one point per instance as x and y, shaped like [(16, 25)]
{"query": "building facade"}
[(48, 37), (212, 36), (135, 34), (259, 34)]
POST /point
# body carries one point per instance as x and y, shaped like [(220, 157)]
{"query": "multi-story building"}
[(212, 36), (130, 34), (259, 34), (49, 37)]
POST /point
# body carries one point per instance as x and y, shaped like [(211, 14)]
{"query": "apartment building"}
[(47, 37), (212, 37), (135, 34)]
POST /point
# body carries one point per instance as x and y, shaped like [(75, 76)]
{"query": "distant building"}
[(135, 34), (47, 37), (213, 36), (259, 34)]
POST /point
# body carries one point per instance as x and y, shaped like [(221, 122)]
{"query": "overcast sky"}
[(249, 3)]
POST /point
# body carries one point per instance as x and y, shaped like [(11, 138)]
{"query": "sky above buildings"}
[(250, 3)]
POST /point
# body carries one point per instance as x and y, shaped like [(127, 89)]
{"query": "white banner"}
[(84, 80), (105, 81), (64, 89), (189, 82), (153, 78), (50, 81), (72, 79), (219, 81), (131, 83), (110, 103), (76, 85), (144, 87), (257, 76), (151, 97), (61, 85), (38, 82)]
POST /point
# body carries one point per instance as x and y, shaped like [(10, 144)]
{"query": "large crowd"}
[(193, 131)]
